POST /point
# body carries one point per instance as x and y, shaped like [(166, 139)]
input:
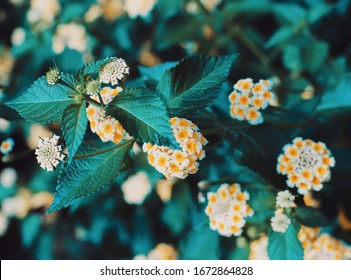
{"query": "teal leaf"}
[(92, 68), (42, 103), (194, 83), (310, 217), (74, 123), (285, 246), (143, 115), (337, 101), (30, 228), (152, 75), (283, 35), (69, 79), (290, 13), (84, 176)]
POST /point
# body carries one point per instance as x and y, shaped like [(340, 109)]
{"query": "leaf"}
[(194, 83), (30, 228), (144, 116), (84, 176), (74, 123), (42, 103), (338, 100), (283, 35), (92, 68), (200, 244), (285, 246), (310, 217), (318, 11), (69, 79), (152, 75), (315, 55), (290, 13)]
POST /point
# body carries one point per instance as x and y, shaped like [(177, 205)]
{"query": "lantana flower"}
[(306, 163), (49, 153), (114, 71), (249, 98), (7, 146)]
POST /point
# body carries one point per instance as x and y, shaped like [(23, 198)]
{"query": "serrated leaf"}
[(84, 176), (74, 123), (143, 115), (152, 75), (285, 246), (194, 83), (69, 79), (42, 103), (92, 68), (310, 217)]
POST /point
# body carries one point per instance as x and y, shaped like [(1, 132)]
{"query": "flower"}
[(164, 189), (210, 4), (178, 163), (326, 247), (163, 251), (280, 222), (70, 35), (135, 8), (43, 12), (7, 146), (37, 131), (113, 71), (306, 163), (7, 63), (227, 209), (4, 125), (106, 127), (136, 188), (49, 153), (18, 36), (17, 206), (8, 177), (53, 76), (258, 249), (3, 224), (285, 199), (248, 98), (308, 236)]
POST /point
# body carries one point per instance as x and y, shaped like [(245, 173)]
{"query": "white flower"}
[(8, 177), (285, 199), (4, 125), (280, 222), (135, 8), (136, 188), (3, 224), (113, 71), (70, 35), (49, 153), (18, 36)]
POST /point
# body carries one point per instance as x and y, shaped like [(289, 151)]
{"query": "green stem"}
[(101, 100), (95, 103)]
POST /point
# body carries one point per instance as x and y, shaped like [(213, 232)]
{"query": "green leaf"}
[(318, 11), (74, 124), (152, 75), (283, 35), (69, 79), (310, 217), (337, 101), (92, 68), (315, 55), (84, 176), (285, 246), (194, 83), (30, 228), (143, 115), (290, 13), (42, 103), (200, 244)]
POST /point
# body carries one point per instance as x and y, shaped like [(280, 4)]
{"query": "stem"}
[(101, 100), (95, 103)]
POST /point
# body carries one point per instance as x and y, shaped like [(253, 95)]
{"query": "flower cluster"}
[(178, 163), (162, 251), (248, 98), (113, 71), (70, 35), (210, 4), (135, 8), (327, 247), (43, 12), (7, 146), (49, 153), (106, 127), (227, 209), (136, 188), (164, 189), (8, 177), (306, 163), (280, 221), (258, 248), (308, 236), (52, 76)]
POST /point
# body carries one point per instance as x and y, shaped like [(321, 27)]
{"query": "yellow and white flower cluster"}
[(258, 248), (327, 247), (135, 8), (178, 163), (112, 72), (136, 188), (227, 209), (308, 236), (306, 163), (162, 251), (248, 98), (106, 127), (49, 153), (69, 35)]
